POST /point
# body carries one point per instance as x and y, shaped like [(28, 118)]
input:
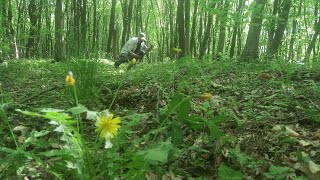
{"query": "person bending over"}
[(134, 48)]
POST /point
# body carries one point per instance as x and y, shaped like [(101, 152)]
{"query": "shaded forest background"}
[(242, 29)]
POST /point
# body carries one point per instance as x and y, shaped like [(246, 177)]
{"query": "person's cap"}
[(143, 36)]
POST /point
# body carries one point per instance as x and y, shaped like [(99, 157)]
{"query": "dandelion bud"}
[(69, 79), (133, 61), (204, 96)]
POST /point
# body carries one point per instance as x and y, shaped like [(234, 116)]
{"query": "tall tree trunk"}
[(181, 27), (130, 12), (138, 15), (281, 26), (111, 25), (173, 42), (32, 8), (272, 26), (95, 28), (84, 27), (48, 45), (76, 28), (193, 28), (222, 32), (127, 15), (13, 43), (60, 53), (312, 43), (3, 30), (207, 33), (236, 28), (187, 27), (251, 48), (294, 31), (124, 4)]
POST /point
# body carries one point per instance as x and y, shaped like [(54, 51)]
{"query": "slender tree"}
[(236, 28), (112, 25), (251, 48), (312, 43), (281, 26), (294, 29), (95, 26), (32, 8), (181, 27), (193, 28), (207, 33), (222, 30), (11, 33), (60, 53), (187, 26)]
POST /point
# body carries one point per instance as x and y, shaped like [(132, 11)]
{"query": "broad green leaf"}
[(41, 133), (278, 172), (195, 122), (77, 110), (217, 120), (184, 109), (176, 133), (205, 106), (301, 178), (175, 103), (214, 130), (61, 152), (7, 150), (45, 110), (227, 173), (56, 116), (159, 153), (28, 113)]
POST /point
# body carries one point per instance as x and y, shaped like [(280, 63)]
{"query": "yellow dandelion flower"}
[(69, 79), (107, 125), (177, 50), (133, 61)]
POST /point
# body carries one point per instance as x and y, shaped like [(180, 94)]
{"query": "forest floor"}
[(270, 112)]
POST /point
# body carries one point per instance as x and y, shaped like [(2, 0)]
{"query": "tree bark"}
[(60, 53), (222, 32), (13, 42), (294, 31), (111, 25), (32, 8), (313, 40), (272, 26), (281, 26), (95, 27), (193, 28), (236, 28), (181, 27), (251, 48), (204, 42), (84, 27), (187, 27)]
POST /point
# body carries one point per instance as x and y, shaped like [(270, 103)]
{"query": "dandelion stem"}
[(7, 121), (77, 104), (169, 113), (114, 97)]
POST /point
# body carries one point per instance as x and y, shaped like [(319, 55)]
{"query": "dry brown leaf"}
[(170, 176), (291, 132), (314, 168), (288, 130), (304, 143), (280, 115), (151, 176)]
